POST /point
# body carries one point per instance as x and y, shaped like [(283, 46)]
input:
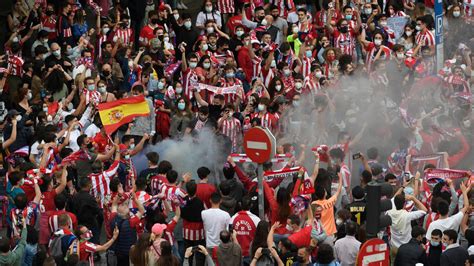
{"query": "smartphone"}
[(195, 248), (231, 228), (265, 251), (356, 156)]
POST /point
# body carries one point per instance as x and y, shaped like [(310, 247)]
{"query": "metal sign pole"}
[(261, 207)]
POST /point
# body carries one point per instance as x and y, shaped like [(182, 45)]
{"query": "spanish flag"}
[(117, 113)]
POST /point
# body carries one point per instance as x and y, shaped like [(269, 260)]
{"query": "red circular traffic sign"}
[(259, 144), (374, 252)]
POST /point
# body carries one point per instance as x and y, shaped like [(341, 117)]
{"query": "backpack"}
[(62, 247)]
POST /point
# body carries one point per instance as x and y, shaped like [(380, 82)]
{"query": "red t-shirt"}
[(204, 192), (301, 238), (47, 201)]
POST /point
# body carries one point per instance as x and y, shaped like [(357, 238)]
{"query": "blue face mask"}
[(309, 54), (181, 106), (160, 85), (230, 75), (434, 243), (91, 87), (348, 17)]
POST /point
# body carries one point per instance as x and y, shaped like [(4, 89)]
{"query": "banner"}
[(79, 155), (243, 158), (437, 175), (117, 113), (397, 24), (418, 162), (281, 174), (219, 90)]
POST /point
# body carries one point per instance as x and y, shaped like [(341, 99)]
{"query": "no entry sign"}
[(259, 144), (374, 252)]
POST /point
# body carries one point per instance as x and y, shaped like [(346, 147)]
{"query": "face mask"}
[(348, 17), (105, 30), (91, 87), (44, 56), (166, 39), (318, 74), (161, 85), (22, 182), (456, 14), (289, 228), (343, 29), (331, 58), (239, 33), (338, 221), (57, 53), (467, 123), (90, 146), (208, 9), (368, 11), (210, 29), (296, 103), (434, 243), (247, 43), (176, 16), (445, 245), (418, 28), (230, 75), (261, 107), (87, 235), (45, 109), (383, 23), (76, 127), (127, 157), (400, 56), (278, 87), (155, 21), (49, 12), (309, 53), (45, 41), (264, 22), (286, 72), (29, 95), (132, 146), (273, 63), (206, 65), (187, 24), (299, 259), (192, 64), (102, 89), (181, 106), (179, 90), (260, 18), (295, 29), (408, 33), (378, 42), (298, 85)]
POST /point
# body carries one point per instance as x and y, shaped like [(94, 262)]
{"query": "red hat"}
[(162, 8)]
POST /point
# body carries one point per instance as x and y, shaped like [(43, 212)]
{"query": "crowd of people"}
[(351, 90)]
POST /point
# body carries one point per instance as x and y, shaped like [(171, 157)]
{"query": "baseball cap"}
[(13, 113), (158, 229)]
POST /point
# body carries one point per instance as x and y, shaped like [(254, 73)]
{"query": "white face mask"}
[(418, 28), (210, 29), (409, 33), (377, 42), (400, 55), (273, 63), (261, 107), (278, 87), (187, 24), (456, 14), (383, 23), (18, 118), (295, 29), (179, 90), (289, 228), (205, 47), (176, 16), (206, 65), (132, 146), (338, 221), (102, 89), (105, 30), (264, 22), (29, 95), (287, 72), (318, 74), (45, 109), (127, 157), (298, 85), (208, 9), (166, 39), (192, 64), (368, 11)]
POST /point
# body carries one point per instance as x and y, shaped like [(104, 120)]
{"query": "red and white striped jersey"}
[(306, 67), (268, 76), (190, 80), (469, 8), (86, 251), (65, 30), (257, 66), (125, 34), (48, 23), (232, 129), (372, 52), (156, 182), (15, 65), (193, 230), (28, 214), (100, 183), (142, 197), (267, 120), (102, 38), (311, 85), (289, 83), (226, 6), (283, 6), (244, 223), (345, 41), (229, 98), (173, 194), (346, 176), (425, 38)]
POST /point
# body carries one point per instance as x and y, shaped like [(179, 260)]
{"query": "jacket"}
[(410, 254), (86, 209), (229, 254), (14, 258), (454, 256)]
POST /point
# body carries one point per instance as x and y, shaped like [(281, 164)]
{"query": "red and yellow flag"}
[(117, 113)]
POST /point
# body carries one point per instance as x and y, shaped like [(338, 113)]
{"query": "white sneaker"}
[(183, 6)]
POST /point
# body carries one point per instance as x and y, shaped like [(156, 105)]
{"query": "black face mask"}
[(90, 146), (106, 73), (343, 29), (260, 18), (299, 259), (49, 12), (155, 21), (147, 65)]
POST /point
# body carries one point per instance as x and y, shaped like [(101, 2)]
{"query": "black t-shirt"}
[(148, 173), (357, 210)]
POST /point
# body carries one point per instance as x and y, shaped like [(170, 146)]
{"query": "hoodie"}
[(14, 258), (229, 254)]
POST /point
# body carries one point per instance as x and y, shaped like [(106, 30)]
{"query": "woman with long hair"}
[(260, 239), (167, 258), (140, 253), (180, 118)]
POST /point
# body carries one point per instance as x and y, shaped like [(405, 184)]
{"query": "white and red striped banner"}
[(219, 90), (436, 175), (281, 174), (243, 158)]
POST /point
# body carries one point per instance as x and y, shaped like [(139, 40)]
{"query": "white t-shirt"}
[(401, 225), (215, 220), (452, 222)]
